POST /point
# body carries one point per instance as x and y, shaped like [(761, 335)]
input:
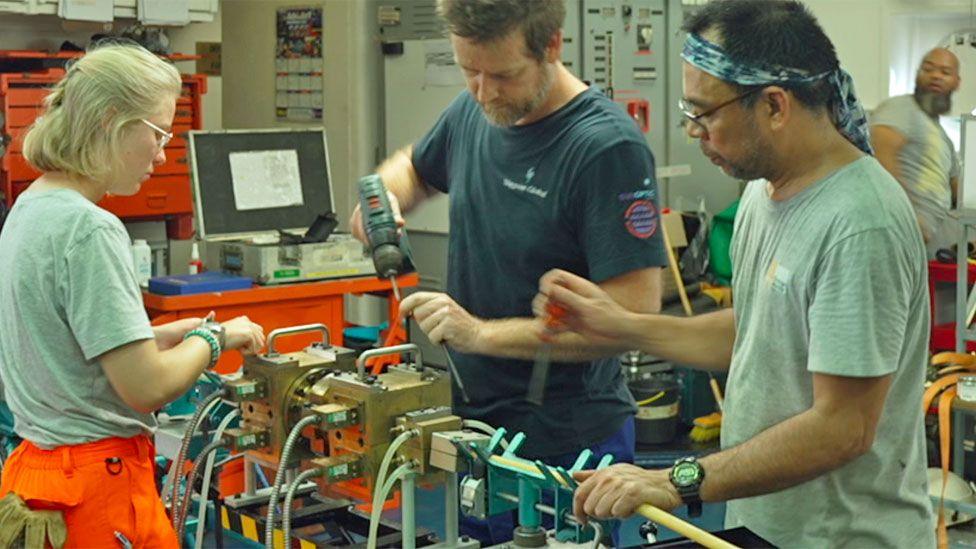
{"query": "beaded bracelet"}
[(211, 339)]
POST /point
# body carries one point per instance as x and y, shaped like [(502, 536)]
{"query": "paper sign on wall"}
[(298, 63)]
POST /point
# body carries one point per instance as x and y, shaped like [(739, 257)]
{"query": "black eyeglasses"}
[(688, 112)]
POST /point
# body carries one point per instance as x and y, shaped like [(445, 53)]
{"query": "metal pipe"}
[(507, 497), (176, 469), (408, 504), (547, 509), (184, 509), (384, 351), (289, 496), (286, 449), (275, 334), (451, 504)]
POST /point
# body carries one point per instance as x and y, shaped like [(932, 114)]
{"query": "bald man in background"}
[(910, 143)]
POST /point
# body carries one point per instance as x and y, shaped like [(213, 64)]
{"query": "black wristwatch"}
[(687, 476), (217, 329)]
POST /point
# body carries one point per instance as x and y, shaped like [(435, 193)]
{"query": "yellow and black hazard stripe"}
[(249, 528)]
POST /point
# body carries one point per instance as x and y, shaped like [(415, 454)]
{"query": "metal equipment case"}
[(261, 241)]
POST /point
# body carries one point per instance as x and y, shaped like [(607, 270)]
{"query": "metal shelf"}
[(965, 299)]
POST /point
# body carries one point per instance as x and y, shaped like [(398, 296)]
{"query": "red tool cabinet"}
[(165, 196)]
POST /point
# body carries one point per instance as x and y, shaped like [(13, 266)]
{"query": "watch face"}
[(217, 329), (686, 474)]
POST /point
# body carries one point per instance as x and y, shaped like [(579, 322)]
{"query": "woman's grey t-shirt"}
[(833, 281), (68, 294)]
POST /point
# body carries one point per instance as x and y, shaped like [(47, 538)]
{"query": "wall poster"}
[(298, 64)]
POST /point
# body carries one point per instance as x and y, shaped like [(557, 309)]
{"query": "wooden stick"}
[(688, 530), (673, 263)]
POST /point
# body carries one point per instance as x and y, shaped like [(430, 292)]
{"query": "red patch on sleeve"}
[(641, 219)]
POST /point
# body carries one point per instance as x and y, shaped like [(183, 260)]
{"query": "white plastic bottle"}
[(142, 261), (196, 266)]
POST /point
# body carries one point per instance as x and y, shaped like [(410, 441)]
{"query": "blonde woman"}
[(82, 369)]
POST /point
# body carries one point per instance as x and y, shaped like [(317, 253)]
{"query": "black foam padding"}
[(212, 151)]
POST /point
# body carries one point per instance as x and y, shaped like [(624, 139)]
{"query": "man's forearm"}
[(703, 341), (789, 453), (518, 338), (401, 179)]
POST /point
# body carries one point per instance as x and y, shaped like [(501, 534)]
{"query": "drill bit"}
[(540, 370), (396, 289), (455, 373)]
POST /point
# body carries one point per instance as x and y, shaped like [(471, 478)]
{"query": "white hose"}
[(484, 428), (202, 509), (598, 533), (385, 465), (388, 458), (289, 496), (293, 435), (374, 516)]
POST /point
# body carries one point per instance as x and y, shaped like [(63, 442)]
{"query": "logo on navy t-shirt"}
[(641, 219)]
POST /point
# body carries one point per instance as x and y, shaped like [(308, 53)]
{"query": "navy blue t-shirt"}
[(576, 191)]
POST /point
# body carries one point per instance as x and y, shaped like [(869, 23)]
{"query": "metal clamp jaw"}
[(275, 334)]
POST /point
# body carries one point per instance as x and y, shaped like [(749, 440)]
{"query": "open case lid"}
[(252, 181)]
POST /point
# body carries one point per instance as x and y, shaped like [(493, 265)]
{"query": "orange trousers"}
[(106, 490)]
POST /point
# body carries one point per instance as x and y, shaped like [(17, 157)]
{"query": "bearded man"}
[(542, 171), (910, 143)]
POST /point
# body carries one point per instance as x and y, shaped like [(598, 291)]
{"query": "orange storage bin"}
[(18, 169), (161, 194), (175, 163), (25, 97)]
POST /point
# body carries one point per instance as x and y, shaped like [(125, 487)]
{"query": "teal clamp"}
[(481, 454), (528, 485), (496, 440), (514, 445), (566, 476), (562, 504), (582, 460), (546, 473)]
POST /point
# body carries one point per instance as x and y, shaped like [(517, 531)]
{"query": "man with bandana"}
[(825, 346), (910, 143)]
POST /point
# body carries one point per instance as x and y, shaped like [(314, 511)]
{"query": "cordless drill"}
[(384, 241), (381, 229)]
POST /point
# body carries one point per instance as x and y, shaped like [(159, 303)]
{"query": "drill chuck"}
[(388, 259)]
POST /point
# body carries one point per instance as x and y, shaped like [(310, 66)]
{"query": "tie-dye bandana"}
[(848, 115)]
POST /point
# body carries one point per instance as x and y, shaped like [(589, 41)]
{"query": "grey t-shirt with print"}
[(68, 294), (927, 162), (833, 281)]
